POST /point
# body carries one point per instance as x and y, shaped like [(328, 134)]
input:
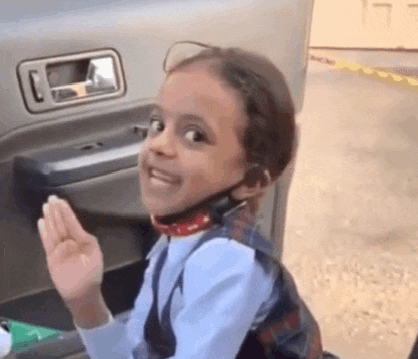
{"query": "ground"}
[(351, 238)]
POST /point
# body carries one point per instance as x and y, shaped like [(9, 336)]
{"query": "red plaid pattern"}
[(269, 334)]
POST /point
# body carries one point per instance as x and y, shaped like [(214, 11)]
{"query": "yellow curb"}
[(367, 70), (397, 77), (412, 81), (386, 76), (355, 67), (382, 74)]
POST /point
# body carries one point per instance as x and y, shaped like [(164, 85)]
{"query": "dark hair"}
[(269, 137)]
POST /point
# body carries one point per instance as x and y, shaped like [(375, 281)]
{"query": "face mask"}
[(222, 202)]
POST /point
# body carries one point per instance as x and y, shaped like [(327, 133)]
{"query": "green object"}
[(25, 336)]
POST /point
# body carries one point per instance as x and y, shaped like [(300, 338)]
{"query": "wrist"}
[(89, 311)]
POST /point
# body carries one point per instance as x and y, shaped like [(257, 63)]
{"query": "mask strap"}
[(226, 204), (222, 204), (267, 175)]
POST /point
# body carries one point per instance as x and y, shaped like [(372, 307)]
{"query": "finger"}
[(48, 241), (52, 236), (56, 214), (49, 223), (72, 223), (42, 234)]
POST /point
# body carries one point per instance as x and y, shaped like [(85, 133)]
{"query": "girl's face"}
[(193, 149)]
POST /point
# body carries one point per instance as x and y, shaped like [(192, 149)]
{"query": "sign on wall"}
[(365, 24)]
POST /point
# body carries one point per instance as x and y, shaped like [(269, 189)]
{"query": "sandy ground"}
[(351, 235)]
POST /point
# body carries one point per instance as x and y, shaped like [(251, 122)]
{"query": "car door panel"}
[(86, 152), (141, 36), (107, 198)]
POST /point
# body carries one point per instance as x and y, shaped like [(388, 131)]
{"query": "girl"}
[(221, 133)]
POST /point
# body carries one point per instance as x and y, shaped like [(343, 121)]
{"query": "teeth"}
[(161, 176)]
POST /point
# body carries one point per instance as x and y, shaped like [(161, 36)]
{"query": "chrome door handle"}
[(101, 78), (71, 80)]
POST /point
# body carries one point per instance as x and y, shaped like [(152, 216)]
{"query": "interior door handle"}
[(101, 78), (74, 79)]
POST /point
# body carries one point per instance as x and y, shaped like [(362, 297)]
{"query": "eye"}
[(156, 125), (195, 136)]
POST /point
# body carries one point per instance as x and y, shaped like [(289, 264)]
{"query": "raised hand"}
[(74, 258)]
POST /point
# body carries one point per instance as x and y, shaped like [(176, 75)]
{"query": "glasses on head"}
[(242, 76), (182, 50)]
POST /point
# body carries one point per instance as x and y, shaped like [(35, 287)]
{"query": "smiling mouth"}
[(163, 176)]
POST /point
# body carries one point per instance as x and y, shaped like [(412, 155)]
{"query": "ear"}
[(244, 192)]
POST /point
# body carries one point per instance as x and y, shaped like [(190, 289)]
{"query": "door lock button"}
[(36, 84)]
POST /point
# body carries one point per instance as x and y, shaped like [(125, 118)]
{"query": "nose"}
[(163, 144)]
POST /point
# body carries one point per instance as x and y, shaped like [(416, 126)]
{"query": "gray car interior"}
[(77, 83)]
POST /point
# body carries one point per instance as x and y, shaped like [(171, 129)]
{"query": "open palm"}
[(74, 258)]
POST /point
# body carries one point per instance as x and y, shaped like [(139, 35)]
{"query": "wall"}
[(365, 24)]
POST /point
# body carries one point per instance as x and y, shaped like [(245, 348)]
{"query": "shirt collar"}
[(164, 240)]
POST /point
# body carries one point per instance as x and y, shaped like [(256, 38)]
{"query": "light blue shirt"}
[(226, 292)]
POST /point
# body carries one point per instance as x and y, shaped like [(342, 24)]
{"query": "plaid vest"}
[(288, 332)]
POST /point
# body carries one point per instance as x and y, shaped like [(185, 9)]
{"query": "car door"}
[(77, 82)]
